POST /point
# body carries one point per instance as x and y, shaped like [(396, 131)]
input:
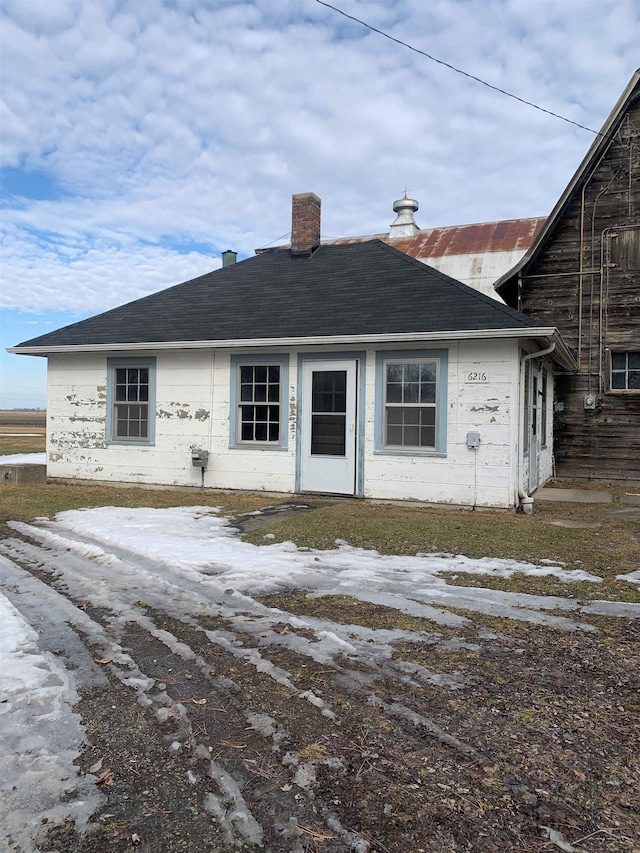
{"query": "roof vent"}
[(305, 223), (404, 224), (229, 258)]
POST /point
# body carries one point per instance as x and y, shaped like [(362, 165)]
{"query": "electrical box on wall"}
[(199, 458), (589, 402), (473, 439)]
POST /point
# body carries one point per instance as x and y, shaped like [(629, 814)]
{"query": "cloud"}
[(169, 124)]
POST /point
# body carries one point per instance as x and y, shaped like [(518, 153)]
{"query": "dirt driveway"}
[(220, 718)]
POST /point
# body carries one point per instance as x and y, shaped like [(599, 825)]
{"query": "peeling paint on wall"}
[(177, 410), (202, 415)]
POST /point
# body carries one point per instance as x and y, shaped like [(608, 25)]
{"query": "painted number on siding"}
[(477, 376)]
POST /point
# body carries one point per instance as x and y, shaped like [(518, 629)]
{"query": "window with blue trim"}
[(130, 400), (411, 402), (258, 414)]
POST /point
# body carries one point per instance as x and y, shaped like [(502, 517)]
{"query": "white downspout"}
[(526, 501)]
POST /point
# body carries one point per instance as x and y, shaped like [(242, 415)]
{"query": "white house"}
[(351, 369)]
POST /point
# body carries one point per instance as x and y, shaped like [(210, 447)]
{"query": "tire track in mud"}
[(231, 722), (231, 725)]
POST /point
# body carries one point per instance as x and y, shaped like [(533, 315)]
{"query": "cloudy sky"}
[(140, 138)]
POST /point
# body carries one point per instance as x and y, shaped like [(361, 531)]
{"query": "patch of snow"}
[(24, 459), (631, 577), (189, 562), (41, 737)]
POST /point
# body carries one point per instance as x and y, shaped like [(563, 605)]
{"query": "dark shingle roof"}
[(360, 289)]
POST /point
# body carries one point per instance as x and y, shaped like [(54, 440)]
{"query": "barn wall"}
[(586, 281)]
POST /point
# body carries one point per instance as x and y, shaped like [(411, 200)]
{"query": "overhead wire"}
[(460, 71)]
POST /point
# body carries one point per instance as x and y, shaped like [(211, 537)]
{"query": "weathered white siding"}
[(259, 469), (193, 401), (77, 411), (482, 477)]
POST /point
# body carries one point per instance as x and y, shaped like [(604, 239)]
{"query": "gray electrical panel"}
[(473, 439), (199, 458)]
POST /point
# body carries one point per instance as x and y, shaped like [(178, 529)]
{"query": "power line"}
[(460, 71), (271, 242)]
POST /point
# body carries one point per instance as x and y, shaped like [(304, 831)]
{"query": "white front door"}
[(328, 427)]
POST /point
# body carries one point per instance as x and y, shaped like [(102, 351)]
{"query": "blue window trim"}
[(112, 363), (346, 355), (281, 359), (442, 356)]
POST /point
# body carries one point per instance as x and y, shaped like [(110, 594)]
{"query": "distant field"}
[(14, 418), (22, 432)]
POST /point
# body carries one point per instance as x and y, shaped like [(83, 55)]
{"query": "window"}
[(258, 410), (328, 412), (412, 402), (625, 371), (260, 402), (130, 400)]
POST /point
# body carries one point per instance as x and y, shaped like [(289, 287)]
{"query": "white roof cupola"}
[(404, 224)]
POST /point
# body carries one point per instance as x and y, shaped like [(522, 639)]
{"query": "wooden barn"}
[(582, 275)]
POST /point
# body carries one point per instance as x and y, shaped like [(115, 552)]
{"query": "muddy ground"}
[(492, 735)]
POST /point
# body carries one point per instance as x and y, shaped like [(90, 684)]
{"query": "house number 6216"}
[(477, 376)]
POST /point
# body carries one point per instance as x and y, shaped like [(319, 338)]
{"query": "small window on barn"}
[(258, 415), (130, 401), (625, 371), (411, 402)]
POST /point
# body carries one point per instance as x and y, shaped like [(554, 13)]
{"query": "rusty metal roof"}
[(478, 238)]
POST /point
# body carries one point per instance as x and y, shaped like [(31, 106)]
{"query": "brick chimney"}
[(305, 223)]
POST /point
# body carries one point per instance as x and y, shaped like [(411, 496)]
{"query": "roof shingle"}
[(357, 289)]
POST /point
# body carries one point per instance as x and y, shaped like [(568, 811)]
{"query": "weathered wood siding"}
[(586, 281), (193, 409)]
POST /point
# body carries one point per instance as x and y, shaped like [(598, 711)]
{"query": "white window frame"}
[(622, 371), (235, 420), (437, 358), (113, 365)]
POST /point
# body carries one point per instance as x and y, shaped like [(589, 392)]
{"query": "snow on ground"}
[(24, 459), (188, 562), (40, 736)]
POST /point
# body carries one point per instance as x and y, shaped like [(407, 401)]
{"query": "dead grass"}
[(347, 610), (24, 503), (23, 443), (611, 549)]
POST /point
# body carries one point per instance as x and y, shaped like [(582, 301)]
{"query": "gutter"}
[(526, 501), (314, 340)]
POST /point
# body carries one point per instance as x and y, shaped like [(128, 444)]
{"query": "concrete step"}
[(584, 496)]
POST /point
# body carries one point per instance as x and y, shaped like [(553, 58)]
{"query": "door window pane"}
[(328, 435), (328, 415)]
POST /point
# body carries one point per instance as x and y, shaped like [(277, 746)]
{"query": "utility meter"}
[(199, 458), (589, 402)]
